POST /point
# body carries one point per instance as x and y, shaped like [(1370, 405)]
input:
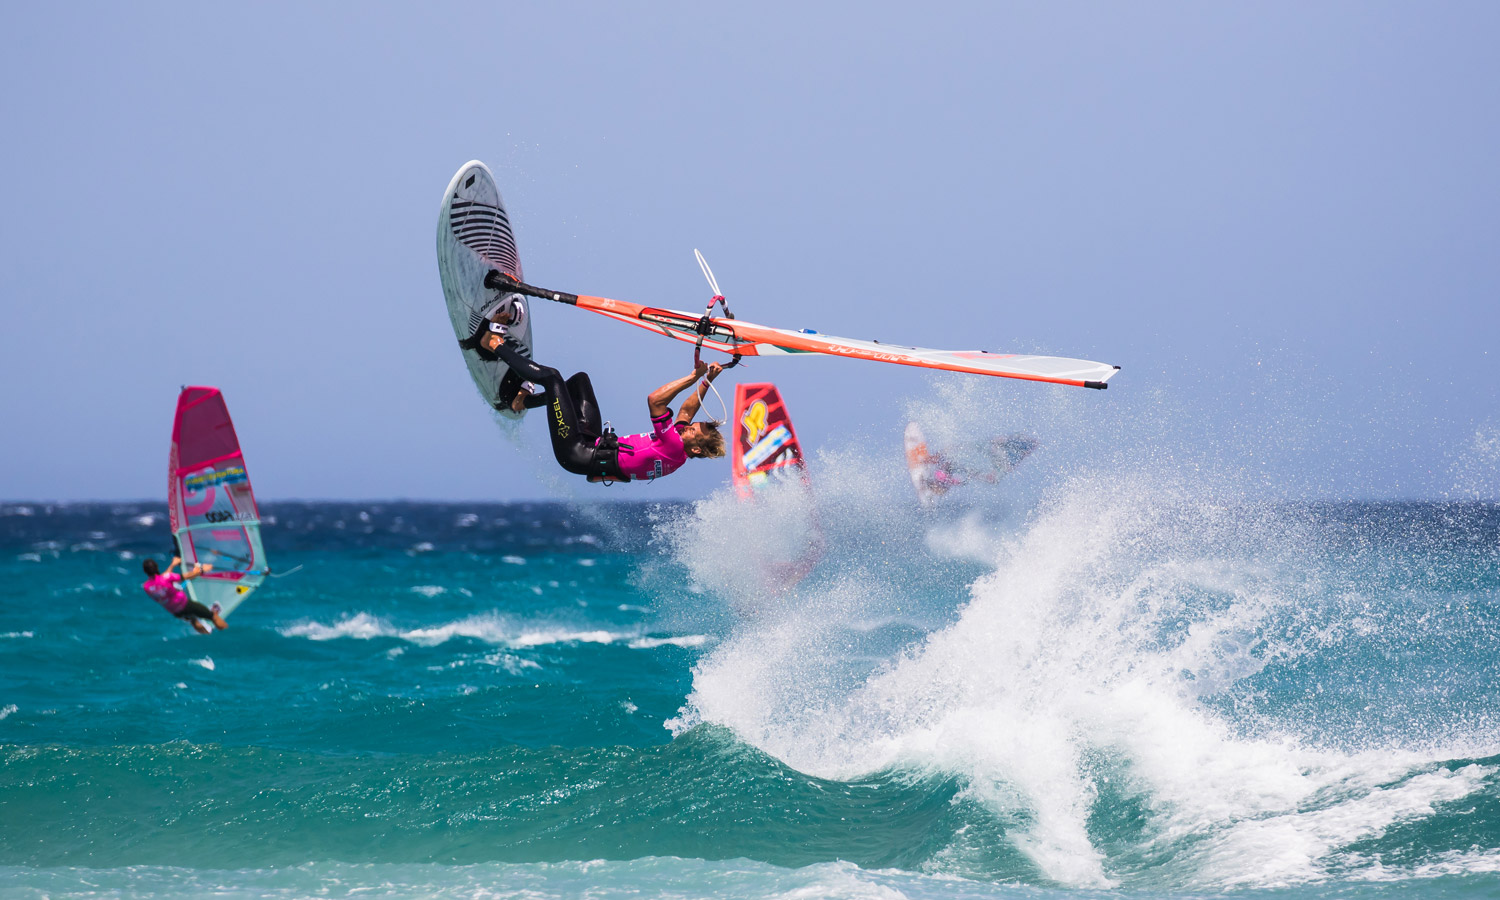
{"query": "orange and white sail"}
[(738, 337)]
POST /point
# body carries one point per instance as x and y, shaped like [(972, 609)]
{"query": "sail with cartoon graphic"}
[(764, 443), (766, 458)]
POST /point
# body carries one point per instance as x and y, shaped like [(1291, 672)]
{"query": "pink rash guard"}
[(647, 457), (164, 590)]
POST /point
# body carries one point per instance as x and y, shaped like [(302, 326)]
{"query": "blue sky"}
[(1279, 218)]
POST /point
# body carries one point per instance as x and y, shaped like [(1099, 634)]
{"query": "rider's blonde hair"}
[(710, 441)]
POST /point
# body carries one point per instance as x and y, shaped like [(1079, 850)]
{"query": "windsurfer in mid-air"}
[(162, 587), (580, 441)]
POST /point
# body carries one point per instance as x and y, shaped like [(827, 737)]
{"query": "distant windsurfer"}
[(945, 474), (579, 440), (162, 587)]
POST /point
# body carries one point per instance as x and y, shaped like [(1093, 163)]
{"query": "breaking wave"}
[(1142, 683)]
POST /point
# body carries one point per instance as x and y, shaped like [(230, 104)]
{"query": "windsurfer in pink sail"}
[(211, 505)]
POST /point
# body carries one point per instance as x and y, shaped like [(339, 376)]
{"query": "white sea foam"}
[(205, 662), (515, 665), (539, 637), (599, 879), (18, 634), (1286, 849), (686, 640), (1455, 862), (739, 549), (1476, 472), (360, 626), (491, 629), (429, 590), (1104, 623), (8, 710)]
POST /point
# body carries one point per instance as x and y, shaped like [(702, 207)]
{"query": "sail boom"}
[(738, 337)]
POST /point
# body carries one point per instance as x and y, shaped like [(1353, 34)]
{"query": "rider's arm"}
[(691, 405), (175, 561), (660, 400)]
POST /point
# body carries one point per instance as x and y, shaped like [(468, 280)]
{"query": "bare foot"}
[(219, 622), (199, 626)]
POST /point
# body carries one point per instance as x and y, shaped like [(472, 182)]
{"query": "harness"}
[(605, 461)]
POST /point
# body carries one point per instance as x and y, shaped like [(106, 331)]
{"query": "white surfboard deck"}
[(473, 237)]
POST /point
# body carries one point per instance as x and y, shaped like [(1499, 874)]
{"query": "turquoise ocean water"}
[(1113, 690)]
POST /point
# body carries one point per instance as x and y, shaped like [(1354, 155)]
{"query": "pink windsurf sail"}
[(214, 517)]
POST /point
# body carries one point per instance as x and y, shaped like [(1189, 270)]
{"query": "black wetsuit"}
[(194, 610), (571, 409)]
